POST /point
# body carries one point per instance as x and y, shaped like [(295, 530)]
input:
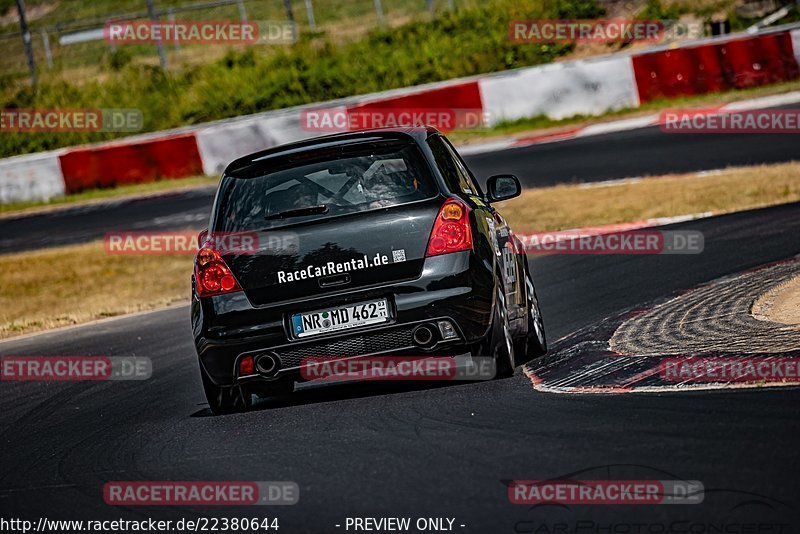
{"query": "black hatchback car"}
[(377, 242)]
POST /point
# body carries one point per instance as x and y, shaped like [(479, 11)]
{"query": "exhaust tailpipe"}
[(267, 365), (423, 336)]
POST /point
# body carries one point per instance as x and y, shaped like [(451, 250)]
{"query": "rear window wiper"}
[(298, 212)]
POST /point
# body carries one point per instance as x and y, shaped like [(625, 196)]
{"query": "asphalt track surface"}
[(647, 152), (423, 450)]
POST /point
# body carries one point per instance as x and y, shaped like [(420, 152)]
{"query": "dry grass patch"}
[(574, 206), (781, 304), (75, 284)]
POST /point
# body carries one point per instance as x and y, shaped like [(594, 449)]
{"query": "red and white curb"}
[(587, 362)]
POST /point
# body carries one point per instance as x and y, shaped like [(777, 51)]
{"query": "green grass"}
[(471, 40), (461, 43), (341, 20)]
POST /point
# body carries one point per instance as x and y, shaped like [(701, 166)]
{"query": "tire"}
[(225, 399), (501, 344), (536, 342)]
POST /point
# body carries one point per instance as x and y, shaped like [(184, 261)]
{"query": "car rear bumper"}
[(453, 287)]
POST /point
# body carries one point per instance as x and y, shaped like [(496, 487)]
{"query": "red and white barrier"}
[(606, 127), (223, 142), (561, 90), (31, 177), (716, 66), (558, 90), (118, 163)]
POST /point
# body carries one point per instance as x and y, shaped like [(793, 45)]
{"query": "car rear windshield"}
[(323, 183)]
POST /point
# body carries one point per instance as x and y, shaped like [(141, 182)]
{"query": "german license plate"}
[(341, 318)]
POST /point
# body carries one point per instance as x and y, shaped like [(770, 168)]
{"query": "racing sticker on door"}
[(509, 264)]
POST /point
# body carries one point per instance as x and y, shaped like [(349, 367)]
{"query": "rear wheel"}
[(225, 399), (536, 341), (501, 344)]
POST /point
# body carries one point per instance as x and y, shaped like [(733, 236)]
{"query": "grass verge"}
[(79, 283), (574, 206)]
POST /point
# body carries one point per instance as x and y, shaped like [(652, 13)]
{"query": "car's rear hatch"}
[(369, 210)]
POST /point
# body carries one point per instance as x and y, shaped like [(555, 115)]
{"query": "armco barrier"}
[(223, 142), (733, 64), (173, 156), (466, 95), (558, 90), (31, 177)]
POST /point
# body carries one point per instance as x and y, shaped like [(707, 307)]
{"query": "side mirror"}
[(202, 237), (503, 187)]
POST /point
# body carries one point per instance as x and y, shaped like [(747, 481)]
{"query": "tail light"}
[(212, 276), (451, 230), (247, 366)]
